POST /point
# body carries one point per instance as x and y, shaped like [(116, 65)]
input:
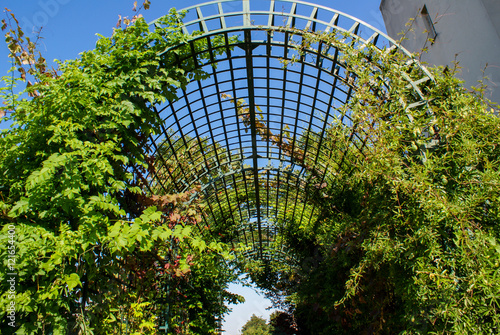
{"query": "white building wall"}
[(468, 31)]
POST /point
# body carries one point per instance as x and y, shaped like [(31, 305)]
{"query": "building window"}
[(429, 26)]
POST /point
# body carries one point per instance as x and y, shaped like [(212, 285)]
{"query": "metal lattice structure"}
[(218, 134)]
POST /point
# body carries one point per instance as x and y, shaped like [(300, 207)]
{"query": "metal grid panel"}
[(250, 186)]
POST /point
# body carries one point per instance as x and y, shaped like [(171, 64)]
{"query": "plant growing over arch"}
[(96, 251), (408, 236)]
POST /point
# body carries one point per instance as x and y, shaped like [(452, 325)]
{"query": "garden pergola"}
[(278, 142), (250, 135)]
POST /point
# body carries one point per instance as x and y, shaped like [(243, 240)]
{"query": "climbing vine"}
[(96, 251), (407, 240)]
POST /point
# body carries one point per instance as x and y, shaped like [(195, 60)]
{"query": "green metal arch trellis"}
[(248, 185)]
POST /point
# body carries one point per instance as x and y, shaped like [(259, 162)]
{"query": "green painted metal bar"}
[(252, 109), (238, 126)]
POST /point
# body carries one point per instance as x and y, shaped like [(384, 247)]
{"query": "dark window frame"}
[(429, 25)]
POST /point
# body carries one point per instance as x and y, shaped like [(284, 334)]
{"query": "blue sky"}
[(70, 27)]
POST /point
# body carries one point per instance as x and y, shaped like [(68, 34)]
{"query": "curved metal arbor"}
[(247, 133)]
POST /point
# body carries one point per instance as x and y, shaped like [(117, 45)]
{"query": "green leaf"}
[(73, 280), (19, 208)]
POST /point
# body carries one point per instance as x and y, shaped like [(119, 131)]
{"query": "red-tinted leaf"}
[(14, 17)]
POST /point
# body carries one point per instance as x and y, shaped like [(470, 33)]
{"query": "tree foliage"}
[(256, 326), (280, 323)]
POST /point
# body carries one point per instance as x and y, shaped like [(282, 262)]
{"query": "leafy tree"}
[(256, 326)]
